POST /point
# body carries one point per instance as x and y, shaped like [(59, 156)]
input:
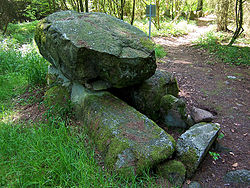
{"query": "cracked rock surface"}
[(94, 47)]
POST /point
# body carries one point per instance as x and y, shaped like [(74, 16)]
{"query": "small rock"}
[(231, 77), (238, 176), (174, 171), (200, 115), (194, 184), (173, 112)]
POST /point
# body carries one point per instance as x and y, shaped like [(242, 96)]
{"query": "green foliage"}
[(20, 66), (160, 51), (47, 156), (22, 32), (221, 135), (166, 29), (232, 55), (214, 155)]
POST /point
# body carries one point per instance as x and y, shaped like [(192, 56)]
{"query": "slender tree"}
[(239, 21), (81, 5), (86, 5), (133, 13)]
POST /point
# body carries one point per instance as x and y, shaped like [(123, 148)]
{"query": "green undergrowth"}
[(160, 51), (22, 32), (167, 28), (233, 55)]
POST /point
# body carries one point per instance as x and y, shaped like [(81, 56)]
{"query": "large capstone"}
[(193, 145), (96, 49), (129, 141)]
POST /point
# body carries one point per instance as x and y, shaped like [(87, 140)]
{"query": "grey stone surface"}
[(193, 145), (194, 184), (129, 141), (200, 115), (87, 47), (238, 176), (173, 112)]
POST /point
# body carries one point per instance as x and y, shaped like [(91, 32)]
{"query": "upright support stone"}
[(128, 140), (193, 145), (146, 97)]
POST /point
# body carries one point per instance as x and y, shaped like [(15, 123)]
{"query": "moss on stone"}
[(116, 149), (57, 95), (172, 170), (167, 102), (147, 43), (51, 79), (189, 159)]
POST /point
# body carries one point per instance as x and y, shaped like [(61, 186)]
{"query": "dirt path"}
[(223, 90)]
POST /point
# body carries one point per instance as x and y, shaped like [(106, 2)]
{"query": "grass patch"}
[(233, 55), (166, 28), (21, 65), (160, 51), (22, 32), (47, 156)]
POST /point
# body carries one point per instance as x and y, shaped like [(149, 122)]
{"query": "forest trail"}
[(224, 90)]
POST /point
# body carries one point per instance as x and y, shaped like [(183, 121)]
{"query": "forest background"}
[(13, 11), (41, 146)]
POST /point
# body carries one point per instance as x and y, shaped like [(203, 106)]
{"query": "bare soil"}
[(207, 83)]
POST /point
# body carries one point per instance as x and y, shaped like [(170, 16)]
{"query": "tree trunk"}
[(122, 8), (222, 15), (133, 13), (64, 5), (5, 29), (54, 5), (86, 5), (81, 5), (239, 21), (199, 5), (158, 13)]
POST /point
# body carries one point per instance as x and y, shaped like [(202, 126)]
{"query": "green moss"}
[(174, 171), (116, 147), (57, 95), (189, 159), (170, 167), (40, 36), (51, 79), (167, 102), (147, 43)]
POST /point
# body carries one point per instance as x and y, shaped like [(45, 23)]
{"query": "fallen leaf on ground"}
[(235, 165)]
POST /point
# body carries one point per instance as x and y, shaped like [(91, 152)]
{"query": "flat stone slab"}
[(193, 145), (96, 47), (129, 141)]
